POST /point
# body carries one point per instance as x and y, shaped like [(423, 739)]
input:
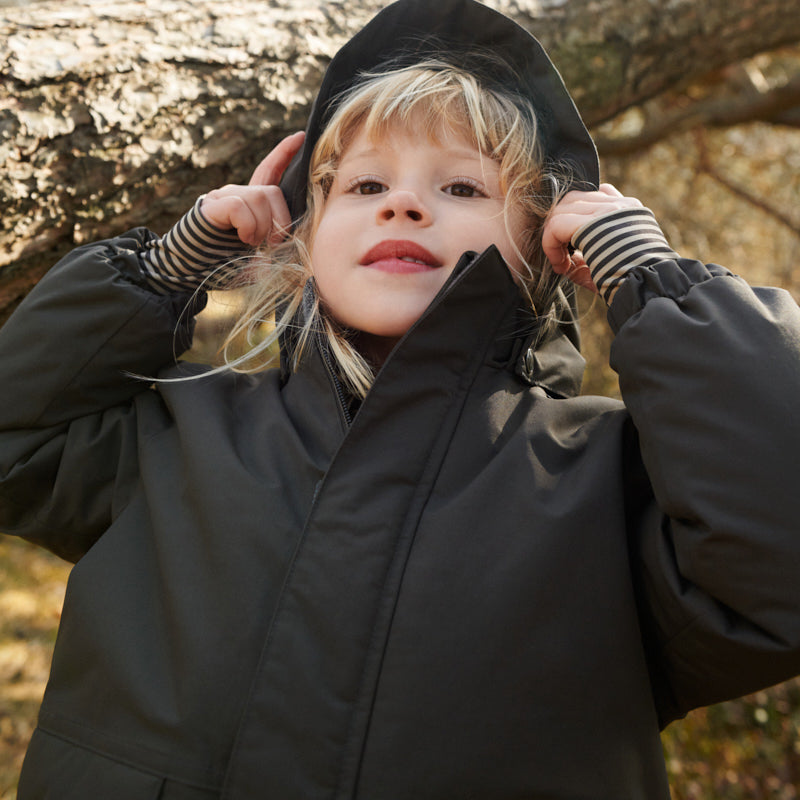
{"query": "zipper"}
[(337, 384)]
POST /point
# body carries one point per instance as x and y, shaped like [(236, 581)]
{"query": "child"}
[(411, 562)]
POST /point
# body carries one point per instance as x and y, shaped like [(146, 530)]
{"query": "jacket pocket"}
[(55, 769)]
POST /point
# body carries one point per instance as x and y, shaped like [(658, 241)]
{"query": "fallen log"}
[(118, 114)]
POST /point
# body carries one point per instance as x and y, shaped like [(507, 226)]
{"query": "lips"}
[(400, 256)]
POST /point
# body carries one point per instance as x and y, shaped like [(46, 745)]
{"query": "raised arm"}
[(710, 371), (69, 410)]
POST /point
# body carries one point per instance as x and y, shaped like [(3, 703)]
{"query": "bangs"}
[(432, 102), (432, 99)]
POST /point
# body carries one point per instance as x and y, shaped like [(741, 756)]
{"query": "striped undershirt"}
[(189, 253), (614, 243)]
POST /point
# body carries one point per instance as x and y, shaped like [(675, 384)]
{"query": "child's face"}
[(399, 215)]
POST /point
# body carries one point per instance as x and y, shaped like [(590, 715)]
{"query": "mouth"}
[(400, 256)]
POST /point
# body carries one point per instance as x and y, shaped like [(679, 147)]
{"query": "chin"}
[(385, 331), (388, 326)]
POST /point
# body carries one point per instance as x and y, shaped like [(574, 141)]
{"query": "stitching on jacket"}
[(111, 756), (378, 644)]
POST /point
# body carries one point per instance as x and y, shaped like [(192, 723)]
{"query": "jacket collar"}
[(479, 310), (546, 357)]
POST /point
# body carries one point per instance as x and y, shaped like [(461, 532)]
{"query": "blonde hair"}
[(440, 98)]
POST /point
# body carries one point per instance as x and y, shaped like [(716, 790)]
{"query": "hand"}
[(574, 211), (257, 211)]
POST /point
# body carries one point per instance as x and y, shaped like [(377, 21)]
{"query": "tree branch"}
[(706, 166), (780, 105), (118, 113)]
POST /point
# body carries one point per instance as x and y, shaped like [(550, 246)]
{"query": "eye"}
[(365, 185), (370, 187), (464, 187)]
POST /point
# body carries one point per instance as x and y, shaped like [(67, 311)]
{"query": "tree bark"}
[(117, 113)]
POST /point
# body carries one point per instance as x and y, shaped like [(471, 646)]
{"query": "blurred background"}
[(715, 152)]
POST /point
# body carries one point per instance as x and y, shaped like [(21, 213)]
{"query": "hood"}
[(492, 46), (456, 30)]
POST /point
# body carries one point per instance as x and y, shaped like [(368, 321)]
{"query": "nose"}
[(403, 204)]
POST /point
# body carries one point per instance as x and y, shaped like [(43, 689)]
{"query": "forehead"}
[(397, 135)]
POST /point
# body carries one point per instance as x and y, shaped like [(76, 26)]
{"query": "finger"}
[(556, 237), (281, 219), (604, 193), (216, 206), (609, 189), (244, 220), (593, 203), (574, 268), (574, 212), (578, 272), (257, 213), (555, 249), (271, 213), (269, 171)]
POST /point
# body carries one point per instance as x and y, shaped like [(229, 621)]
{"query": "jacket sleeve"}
[(68, 407), (710, 372)]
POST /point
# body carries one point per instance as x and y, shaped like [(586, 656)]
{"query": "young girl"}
[(411, 562)]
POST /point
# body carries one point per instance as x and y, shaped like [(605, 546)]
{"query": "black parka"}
[(483, 586)]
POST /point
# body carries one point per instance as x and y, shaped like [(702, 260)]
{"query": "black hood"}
[(465, 33), (461, 32)]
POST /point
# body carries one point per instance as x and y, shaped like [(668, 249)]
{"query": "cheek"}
[(321, 230), (323, 271), (330, 279), (317, 240), (322, 247), (334, 232)]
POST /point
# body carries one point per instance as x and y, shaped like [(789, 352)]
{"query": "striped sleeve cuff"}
[(614, 243), (189, 253)]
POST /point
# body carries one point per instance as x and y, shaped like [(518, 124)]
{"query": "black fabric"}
[(483, 586), (480, 588)]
